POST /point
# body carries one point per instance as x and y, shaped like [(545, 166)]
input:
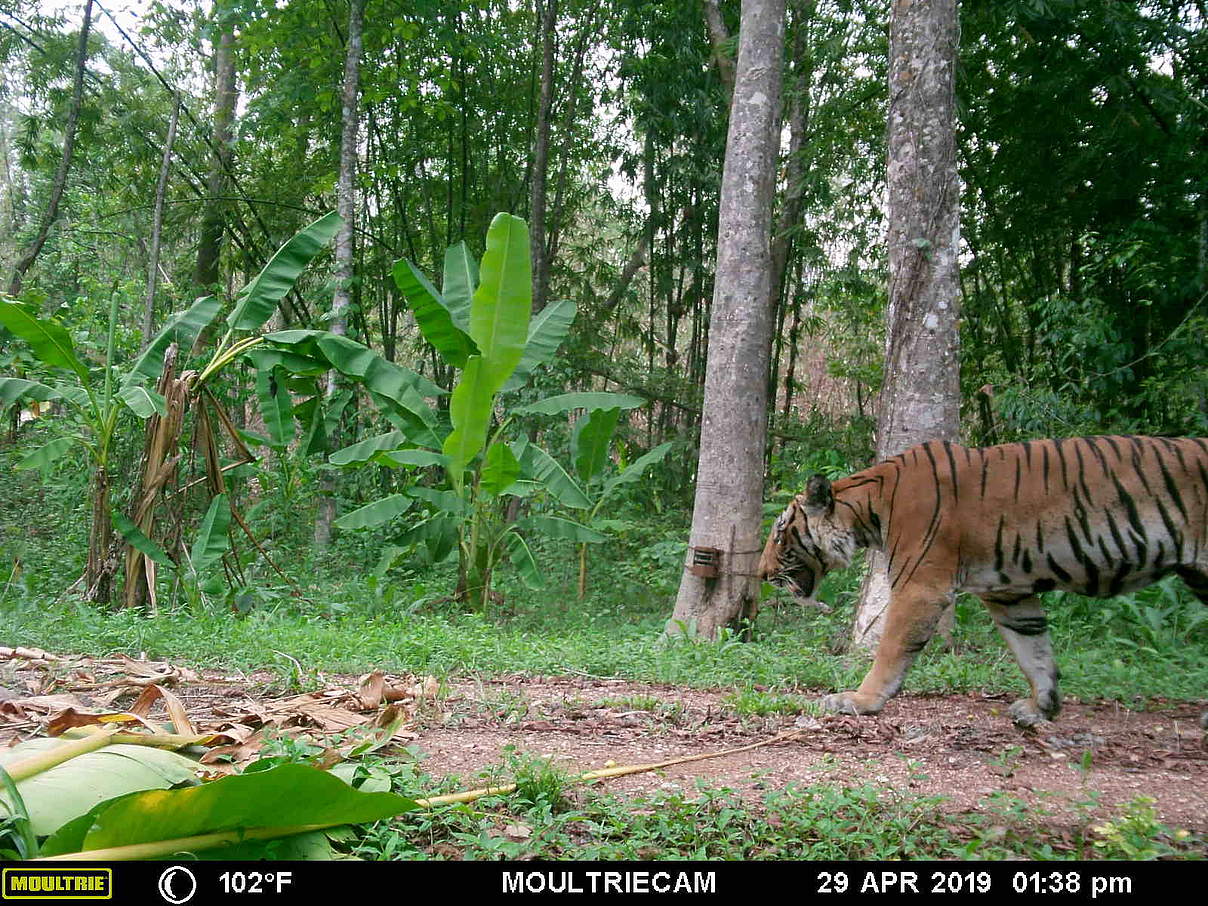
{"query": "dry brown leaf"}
[(70, 717), (370, 689), (175, 707), (236, 753), (49, 703), (27, 654)]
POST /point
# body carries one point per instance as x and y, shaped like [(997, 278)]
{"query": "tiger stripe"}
[(1097, 515)]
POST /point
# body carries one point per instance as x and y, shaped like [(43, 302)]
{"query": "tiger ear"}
[(819, 500)]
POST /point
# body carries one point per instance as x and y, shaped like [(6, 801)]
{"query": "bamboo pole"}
[(160, 848), (44, 761)]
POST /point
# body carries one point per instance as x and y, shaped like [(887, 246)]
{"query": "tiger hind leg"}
[(1024, 628), (1197, 581)]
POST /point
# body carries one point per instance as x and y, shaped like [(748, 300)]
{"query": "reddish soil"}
[(963, 747)]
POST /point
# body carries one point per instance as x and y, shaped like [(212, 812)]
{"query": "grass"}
[(1140, 650), (549, 818)]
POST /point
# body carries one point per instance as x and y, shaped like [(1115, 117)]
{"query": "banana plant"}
[(480, 324), (285, 362), (96, 399)]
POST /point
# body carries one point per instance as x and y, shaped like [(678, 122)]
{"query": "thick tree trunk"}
[(537, 201), (30, 255), (157, 223), (729, 486), (920, 399), (345, 252), (213, 221)]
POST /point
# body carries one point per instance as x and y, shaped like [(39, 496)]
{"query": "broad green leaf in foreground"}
[(70, 789), (288, 798), (499, 316)]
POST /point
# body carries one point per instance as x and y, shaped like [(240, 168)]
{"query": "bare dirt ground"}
[(962, 747)]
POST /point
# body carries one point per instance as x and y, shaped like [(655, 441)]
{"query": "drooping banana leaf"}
[(591, 439), (13, 389), (182, 328), (212, 539), (374, 514), (47, 340), (500, 469), (589, 400), (256, 302)]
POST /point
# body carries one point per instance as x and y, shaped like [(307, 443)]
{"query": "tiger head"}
[(806, 542)]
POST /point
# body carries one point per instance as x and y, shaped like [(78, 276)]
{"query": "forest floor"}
[(1095, 758)]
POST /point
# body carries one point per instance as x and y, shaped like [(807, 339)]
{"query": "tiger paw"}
[(1026, 714), (850, 703)]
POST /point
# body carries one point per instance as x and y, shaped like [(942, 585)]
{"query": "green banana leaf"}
[(543, 468), (142, 401), (256, 302), (139, 540), (46, 454), (522, 559), (545, 335), (375, 513), (432, 315), (470, 411), (182, 328), (66, 791), (500, 468), (591, 439), (278, 800), (460, 281), (48, 340), (565, 402), (212, 539), (13, 389), (563, 529), (499, 315), (365, 450), (276, 405), (634, 471)]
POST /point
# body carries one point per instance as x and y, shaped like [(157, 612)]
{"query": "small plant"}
[(1007, 762), (1137, 834)]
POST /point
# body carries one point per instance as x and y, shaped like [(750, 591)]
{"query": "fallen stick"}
[(607, 773)]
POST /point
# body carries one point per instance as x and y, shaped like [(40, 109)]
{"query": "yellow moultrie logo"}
[(58, 884)]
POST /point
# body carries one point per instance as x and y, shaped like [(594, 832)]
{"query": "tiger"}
[(1098, 516)]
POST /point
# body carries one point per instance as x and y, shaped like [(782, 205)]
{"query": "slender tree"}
[(157, 224), (345, 252), (920, 398), (30, 255), (729, 483), (538, 194), (213, 218)]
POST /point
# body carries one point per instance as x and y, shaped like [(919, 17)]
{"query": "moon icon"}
[(185, 888)]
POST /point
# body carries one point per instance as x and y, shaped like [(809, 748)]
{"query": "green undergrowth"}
[(341, 617), (548, 817)]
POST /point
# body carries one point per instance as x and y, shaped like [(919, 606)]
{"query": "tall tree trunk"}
[(346, 204), (729, 487), (920, 399), (157, 223), (30, 255), (213, 219), (537, 202)]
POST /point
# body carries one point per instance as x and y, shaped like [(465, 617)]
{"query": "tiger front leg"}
[(1025, 629), (910, 622)]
